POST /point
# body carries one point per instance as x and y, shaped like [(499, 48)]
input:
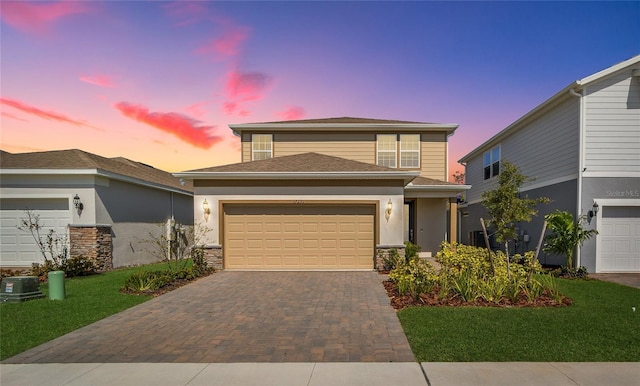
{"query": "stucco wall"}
[(391, 231)]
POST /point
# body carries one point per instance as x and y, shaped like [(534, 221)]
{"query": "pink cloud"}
[(187, 129), (36, 18), (244, 87), (196, 109), (292, 113), (49, 115), (98, 80), (227, 45), (187, 12), (247, 86)]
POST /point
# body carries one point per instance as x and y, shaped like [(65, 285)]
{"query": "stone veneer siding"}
[(382, 252), (213, 256), (92, 242)]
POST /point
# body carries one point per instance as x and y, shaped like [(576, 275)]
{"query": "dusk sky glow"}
[(159, 82)]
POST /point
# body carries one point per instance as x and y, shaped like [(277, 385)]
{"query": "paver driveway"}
[(245, 317)]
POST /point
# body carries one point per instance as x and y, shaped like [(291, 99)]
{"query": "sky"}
[(159, 82)]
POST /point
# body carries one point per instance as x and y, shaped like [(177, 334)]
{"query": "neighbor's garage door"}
[(18, 248), (620, 237), (298, 236)]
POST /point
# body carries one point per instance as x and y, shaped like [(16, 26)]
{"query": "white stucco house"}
[(582, 146), (327, 194), (106, 206)]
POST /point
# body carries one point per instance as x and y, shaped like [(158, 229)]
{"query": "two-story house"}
[(582, 146), (327, 194)]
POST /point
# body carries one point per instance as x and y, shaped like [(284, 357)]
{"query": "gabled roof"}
[(343, 124), (424, 183), (568, 92), (300, 166), (76, 161)]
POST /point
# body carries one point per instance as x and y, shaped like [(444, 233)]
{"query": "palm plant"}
[(566, 234)]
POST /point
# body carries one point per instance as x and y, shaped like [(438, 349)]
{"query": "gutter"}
[(581, 168)]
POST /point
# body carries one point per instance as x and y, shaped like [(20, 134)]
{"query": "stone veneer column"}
[(213, 256), (382, 252), (92, 242)]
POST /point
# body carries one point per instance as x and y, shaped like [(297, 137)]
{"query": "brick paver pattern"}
[(245, 317)]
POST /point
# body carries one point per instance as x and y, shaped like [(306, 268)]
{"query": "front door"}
[(409, 221)]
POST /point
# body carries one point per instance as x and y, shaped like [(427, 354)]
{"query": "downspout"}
[(581, 168)]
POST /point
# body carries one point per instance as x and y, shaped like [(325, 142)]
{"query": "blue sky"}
[(158, 82)]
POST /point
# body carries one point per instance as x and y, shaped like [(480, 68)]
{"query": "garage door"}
[(298, 236), (18, 248), (620, 238)]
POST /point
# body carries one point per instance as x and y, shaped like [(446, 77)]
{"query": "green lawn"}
[(89, 299), (599, 326)]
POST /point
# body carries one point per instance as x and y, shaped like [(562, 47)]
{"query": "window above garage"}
[(261, 146)]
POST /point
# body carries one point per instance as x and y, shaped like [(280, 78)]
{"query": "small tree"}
[(54, 248), (505, 206), (458, 177), (566, 235), (175, 245)]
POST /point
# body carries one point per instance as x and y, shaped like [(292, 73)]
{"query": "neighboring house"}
[(332, 193), (582, 146), (119, 202)]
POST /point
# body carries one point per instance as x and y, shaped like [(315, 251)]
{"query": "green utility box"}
[(19, 289), (56, 285)]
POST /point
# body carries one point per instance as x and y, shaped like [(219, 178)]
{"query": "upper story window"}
[(387, 150), (405, 145), (410, 151), (491, 162), (261, 146)]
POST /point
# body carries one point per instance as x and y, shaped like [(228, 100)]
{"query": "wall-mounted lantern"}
[(77, 203), (206, 210), (387, 212), (594, 210)]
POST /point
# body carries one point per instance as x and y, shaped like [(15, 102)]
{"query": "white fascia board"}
[(453, 188), (608, 71), (238, 128), (92, 172), (49, 171)]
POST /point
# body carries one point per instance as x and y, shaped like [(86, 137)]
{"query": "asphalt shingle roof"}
[(78, 159), (306, 162)]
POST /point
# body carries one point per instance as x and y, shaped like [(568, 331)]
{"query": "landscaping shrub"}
[(150, 281), (72, 267), (466, 273), (410, 250)]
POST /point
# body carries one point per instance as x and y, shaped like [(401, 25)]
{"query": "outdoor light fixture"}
[(594, 210), (205, 208), (77, 203), (387, 212)]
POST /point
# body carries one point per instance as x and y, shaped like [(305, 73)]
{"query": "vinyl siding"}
[(353, 146), (433, 157), (612, 125), (545, 148)]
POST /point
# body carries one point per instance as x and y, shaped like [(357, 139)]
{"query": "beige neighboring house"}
[(327, 194), (106, 206)]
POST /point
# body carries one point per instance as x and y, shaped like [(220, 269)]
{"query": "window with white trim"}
[(410, 151), (261, 146), (387, 150), (491, 162)]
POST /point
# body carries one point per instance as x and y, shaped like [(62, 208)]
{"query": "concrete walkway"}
[(304, 374), (232, 317)]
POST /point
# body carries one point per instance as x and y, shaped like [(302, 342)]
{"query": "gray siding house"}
[(582, 146), (106, 206)]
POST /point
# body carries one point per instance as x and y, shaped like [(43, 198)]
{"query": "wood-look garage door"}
[(298, 236)]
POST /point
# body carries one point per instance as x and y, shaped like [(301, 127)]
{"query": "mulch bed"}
[(399, 302)]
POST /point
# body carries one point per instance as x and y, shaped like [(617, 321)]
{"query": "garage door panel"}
[(18, 247), (301, 237), (619, 240)]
